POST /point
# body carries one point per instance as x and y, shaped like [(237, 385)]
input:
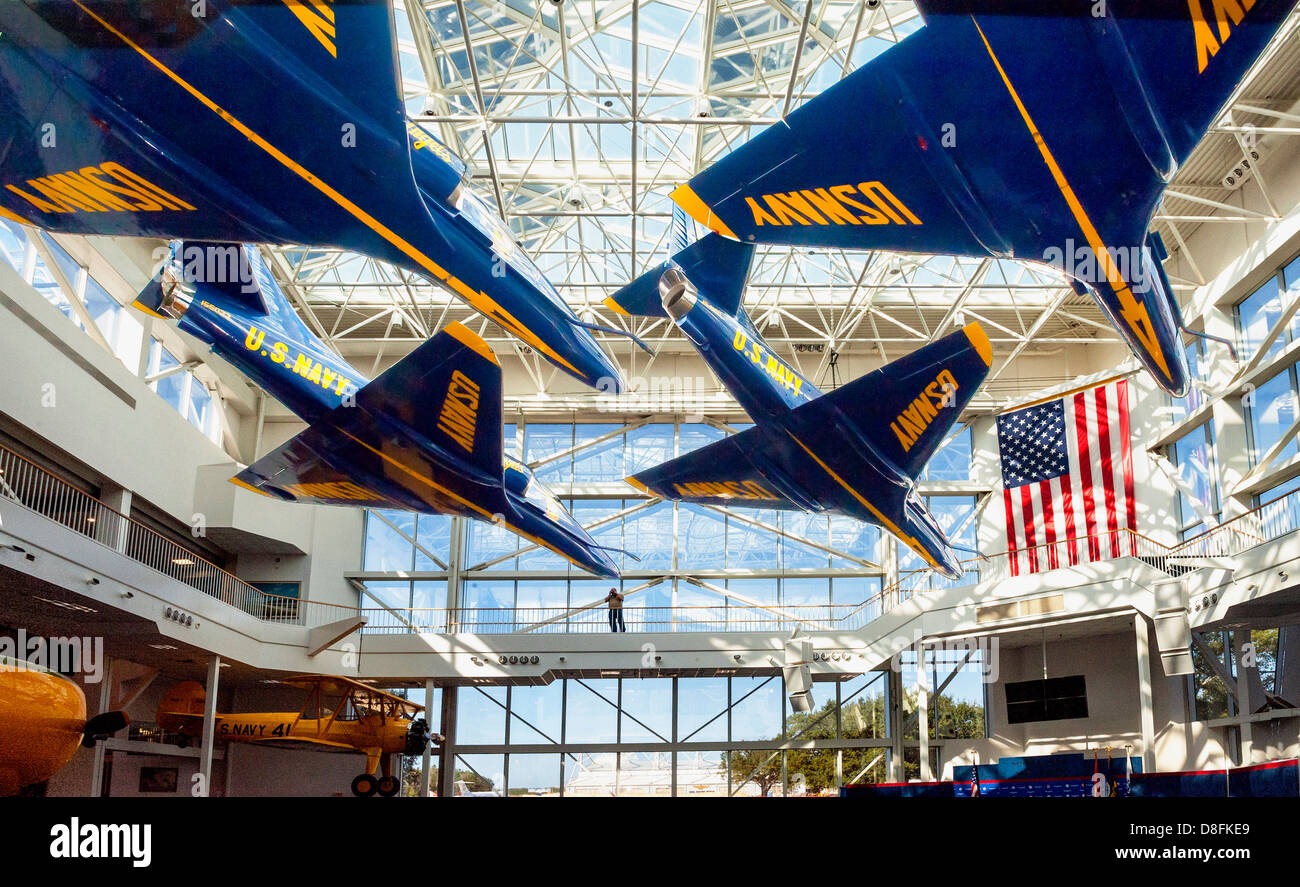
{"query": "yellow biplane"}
[(339, 714)]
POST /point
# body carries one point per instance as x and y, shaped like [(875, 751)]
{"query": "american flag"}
[(1067, 478)]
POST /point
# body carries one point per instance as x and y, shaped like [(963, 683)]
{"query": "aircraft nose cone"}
[(603, 565), (1179, 382), (949, 566)]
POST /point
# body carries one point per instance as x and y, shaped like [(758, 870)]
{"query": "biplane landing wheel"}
[(364, 785), (388, 786)]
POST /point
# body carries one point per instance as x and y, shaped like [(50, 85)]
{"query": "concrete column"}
[(1146, 715), (673, 788), (105, 703), (455, 555), (426, 760), (1247, 699), (923, 714), (447, 754), (112, 530), (209, 723), (894, 717)]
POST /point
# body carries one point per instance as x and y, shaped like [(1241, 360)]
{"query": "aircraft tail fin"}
[(446, 392), (449, 391), (905, 409), (716, 266), (181, 703)]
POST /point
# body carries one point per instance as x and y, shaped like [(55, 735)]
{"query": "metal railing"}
[(1266, 522), (36, 489), (594, 619)]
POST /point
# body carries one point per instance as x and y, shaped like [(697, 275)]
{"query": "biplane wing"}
[(361, 695)]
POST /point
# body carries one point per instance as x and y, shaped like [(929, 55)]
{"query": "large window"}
[(719, 734), (1271, 411), (1193, 458), (1259, 312), (116, 326), (687, 567), (1195, 399)]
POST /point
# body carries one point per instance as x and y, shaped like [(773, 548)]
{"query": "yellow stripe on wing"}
[(685, 197), (1134, 313), (247, 486), (909, 540), (478, 299)]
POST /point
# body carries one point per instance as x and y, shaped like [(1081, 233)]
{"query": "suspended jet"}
[(262, 121), (1011, 128), (338, 715), (425, 436), (854, 451)]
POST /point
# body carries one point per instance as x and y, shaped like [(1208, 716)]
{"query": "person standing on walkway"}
[(615, 601)]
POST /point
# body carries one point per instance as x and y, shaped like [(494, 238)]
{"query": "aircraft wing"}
[(363, 695), (303, 743), (721, 473), (993, 128), (425, 435), (306, 468), (286, 121)]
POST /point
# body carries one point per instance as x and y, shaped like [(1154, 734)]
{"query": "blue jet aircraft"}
[(855, 451), (257, 121), (425, 436), (1010, 128)]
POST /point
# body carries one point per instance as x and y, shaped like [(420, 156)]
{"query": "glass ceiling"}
[(580, 138)]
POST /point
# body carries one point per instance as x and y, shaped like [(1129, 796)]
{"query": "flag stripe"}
[(1067, 506), (1107, 475), (1085, 473), (1130, 500), (1027, 509), (1012, 549), (1049, 525)]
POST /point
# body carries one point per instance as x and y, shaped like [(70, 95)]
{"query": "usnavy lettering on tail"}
[(1222, 10), (303, 365), (821, 206), (109, 187), (912, 422), (459, 415), (102, 841), (319, 21), (775, 367)]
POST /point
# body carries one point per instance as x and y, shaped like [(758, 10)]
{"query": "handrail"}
[(1282, 511), (41, 491)]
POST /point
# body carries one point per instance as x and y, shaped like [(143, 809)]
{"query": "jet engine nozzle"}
[(176, 296), (676, 293)]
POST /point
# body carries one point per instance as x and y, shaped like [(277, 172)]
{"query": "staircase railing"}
[(38, 490)]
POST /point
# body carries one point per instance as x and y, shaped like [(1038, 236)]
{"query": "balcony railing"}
[(33, 487)]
